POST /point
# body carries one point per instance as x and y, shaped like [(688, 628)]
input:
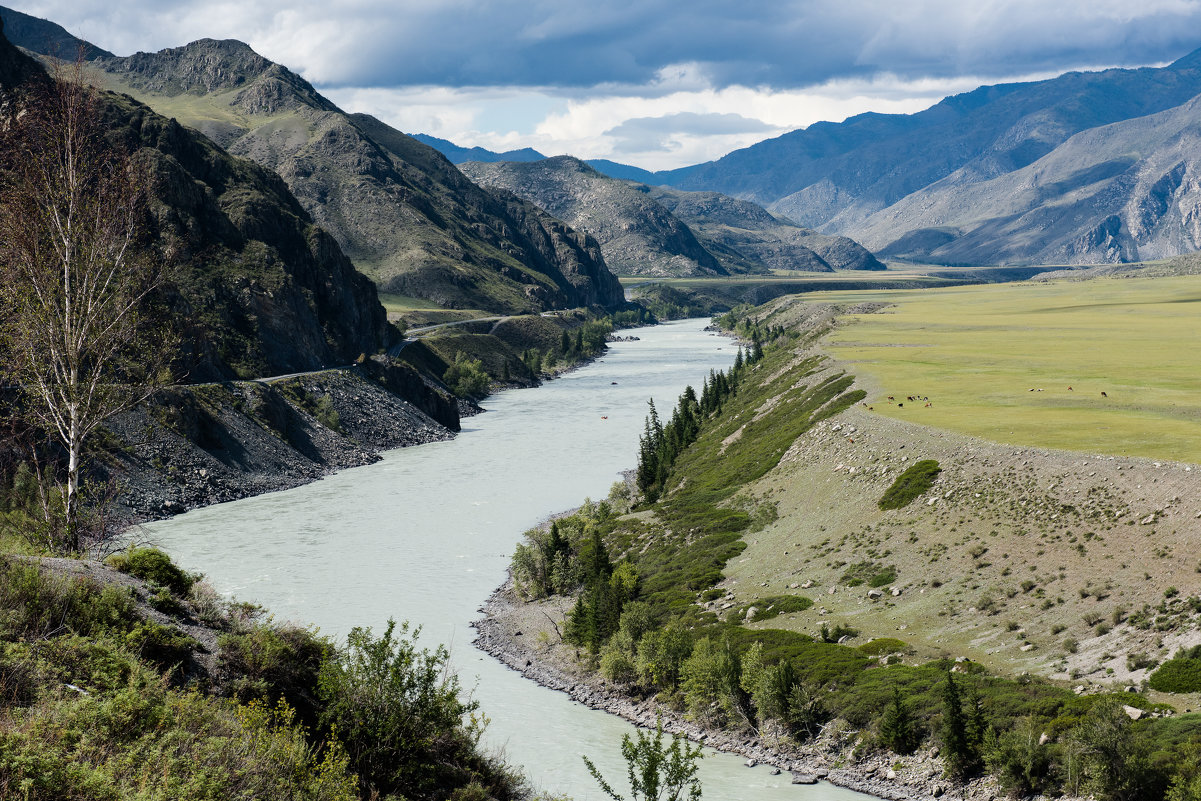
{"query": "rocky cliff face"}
[(397, 208)]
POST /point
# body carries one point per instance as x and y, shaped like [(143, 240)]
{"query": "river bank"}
[(526, 638)]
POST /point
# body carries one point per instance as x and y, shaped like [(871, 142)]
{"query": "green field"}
[(977, 352)]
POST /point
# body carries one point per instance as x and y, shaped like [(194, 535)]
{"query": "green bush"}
[(35, 603), (1181, 674), (162, 646), (884, 645), (266, 663), (151, 564), (398, 712), (466, 377), (910, 484)]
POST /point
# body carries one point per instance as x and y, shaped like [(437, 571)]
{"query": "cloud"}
[(656, 134), (778, 44)]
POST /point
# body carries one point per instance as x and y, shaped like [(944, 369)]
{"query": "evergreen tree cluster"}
[(660, 445)]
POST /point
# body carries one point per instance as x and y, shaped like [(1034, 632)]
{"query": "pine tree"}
[(958, 735), (898, 729)]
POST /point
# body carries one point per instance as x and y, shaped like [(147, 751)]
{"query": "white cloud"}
[(590, 126)]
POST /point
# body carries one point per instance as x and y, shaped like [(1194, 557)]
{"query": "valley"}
[(912, 511)]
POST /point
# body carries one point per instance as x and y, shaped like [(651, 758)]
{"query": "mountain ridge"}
[(421, 231)]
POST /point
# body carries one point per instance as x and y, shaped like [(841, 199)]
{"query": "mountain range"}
[(651, 231), (1087, 167)]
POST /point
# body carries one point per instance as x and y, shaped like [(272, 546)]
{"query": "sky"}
[(654, 83)]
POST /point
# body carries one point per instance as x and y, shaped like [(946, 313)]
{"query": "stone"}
[(895, 591), (804, 778), (775, 771), (750, 613), (1133, 712), (874, 594), (892, 774), (750, 763), (809, 583)]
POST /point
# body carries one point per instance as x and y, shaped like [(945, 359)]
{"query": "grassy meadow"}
[(977, 352)]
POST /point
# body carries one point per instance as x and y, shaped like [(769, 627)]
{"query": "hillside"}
[(647, 230), (259, 289), (746, 237), (637, 235), (404, 215), (788, 567), (888, 178)]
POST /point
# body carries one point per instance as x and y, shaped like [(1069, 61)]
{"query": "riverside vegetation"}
[(645, 565)]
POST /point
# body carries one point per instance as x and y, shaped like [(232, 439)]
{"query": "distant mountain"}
[(647, 230), (458, 155), (258, 289), (747, 238), (462, 155), (402, 212), (45, 37), (637, 235), (622, 171), (951, 184)]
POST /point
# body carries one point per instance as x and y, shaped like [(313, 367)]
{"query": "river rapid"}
[(425, 535)]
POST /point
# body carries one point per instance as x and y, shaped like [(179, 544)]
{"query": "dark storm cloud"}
[(582, 43)]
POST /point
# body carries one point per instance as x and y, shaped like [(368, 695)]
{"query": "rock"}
[(775, 771), (750, 613), (892, 774), (1134, 713), (793, 586), (750, 763), (809, 583), (937, 790), (1028, 647), (804, 778), (821, 773), (874, 594), (1044, 738), (832, 590), (895, 591)]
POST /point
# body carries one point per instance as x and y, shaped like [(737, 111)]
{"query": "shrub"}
[(162, 646), (397, 711), (36, 602), (466, 377), (1181, 674), (151, 564), (884, 645), (267, 663), (910, 484)]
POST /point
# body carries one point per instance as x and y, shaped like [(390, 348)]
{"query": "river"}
[(425, 535)]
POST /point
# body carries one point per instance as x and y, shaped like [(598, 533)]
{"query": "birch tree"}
[(74, 275)]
